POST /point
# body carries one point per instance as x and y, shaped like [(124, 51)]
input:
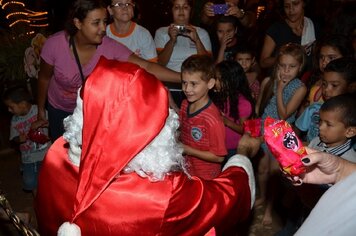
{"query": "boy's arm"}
[(203, 155)]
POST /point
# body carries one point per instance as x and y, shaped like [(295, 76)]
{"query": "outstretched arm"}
[(161, 72)]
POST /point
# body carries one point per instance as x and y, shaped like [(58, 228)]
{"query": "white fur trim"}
[(245, 163), (68, 229)]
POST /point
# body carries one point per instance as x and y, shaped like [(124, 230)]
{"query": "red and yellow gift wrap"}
[(285, 146)]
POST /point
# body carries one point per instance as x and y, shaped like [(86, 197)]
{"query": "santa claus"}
[(118, 169)]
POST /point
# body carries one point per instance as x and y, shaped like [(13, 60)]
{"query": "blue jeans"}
[(30, 175)]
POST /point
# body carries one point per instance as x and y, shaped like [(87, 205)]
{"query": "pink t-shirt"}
[(63, 86), (245, 110)]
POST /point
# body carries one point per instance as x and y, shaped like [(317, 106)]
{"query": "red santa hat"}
[(124, 109)]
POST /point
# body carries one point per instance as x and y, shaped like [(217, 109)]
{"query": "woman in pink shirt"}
[(62, 72)]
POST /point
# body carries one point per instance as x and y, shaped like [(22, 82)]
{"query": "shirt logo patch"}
[(196, 133)]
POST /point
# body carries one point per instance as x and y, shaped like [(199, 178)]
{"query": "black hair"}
[(228, 19), (345, 66), (190, 3), (233, 83), (344, 104), (199, 63), (80, 10), (245, 49), (337, 41), (17, 94)]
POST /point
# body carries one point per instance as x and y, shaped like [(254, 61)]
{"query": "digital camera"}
[(220, 9), (181, 29)]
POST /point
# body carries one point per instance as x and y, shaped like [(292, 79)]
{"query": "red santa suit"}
[(124, 108)]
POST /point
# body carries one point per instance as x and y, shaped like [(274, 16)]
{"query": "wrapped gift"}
[(37, 136), (284, 145), (253, 127)]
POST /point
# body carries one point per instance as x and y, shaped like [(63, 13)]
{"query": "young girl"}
[(233, 97), (330, 48), (281, 95)]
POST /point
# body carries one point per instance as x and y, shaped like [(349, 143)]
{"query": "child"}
[(330, 48), (202, 127), (247, 60), (339, 77), (18, 101), (227, 34), (233, 98), (337, 135), (124, 30), (337, 127), (281, 95)]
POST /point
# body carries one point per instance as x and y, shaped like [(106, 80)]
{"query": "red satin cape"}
[(132, 205)]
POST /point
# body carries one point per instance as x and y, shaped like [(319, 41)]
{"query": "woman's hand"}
[(41, 120), (322, 168), (192, 33), (173, 33), (234, 10)]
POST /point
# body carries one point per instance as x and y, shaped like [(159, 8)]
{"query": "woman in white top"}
[(180, 39), (137, 38)]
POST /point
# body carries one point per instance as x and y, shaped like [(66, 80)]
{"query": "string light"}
[(18, 13)]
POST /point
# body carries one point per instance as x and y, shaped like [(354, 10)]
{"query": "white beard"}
[(162, 156)]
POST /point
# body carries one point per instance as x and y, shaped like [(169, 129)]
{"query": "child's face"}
[(195, 88), (331, 130), (327, 54), (122, 14), (288, 68), (226, 32), (246, 60), (17, 109), (333, 84)]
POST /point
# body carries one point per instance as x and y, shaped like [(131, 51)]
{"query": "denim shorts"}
[(30, 175)]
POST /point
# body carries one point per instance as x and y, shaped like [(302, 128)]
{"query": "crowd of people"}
[(94, 94)]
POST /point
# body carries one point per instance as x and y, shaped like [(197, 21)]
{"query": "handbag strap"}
[(71, 42)]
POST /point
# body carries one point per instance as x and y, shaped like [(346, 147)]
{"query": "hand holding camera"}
[(181, 29), (220, 9)]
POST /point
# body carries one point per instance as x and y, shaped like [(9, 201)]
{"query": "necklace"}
[(297, 28)]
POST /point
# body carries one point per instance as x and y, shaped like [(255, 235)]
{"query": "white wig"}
[(162, 156)]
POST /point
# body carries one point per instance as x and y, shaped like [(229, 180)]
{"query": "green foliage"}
[(12, 49)]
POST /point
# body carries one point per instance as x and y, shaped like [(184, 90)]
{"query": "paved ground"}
[(10, 183)]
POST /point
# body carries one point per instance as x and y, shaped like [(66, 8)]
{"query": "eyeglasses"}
[(123, 5)]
